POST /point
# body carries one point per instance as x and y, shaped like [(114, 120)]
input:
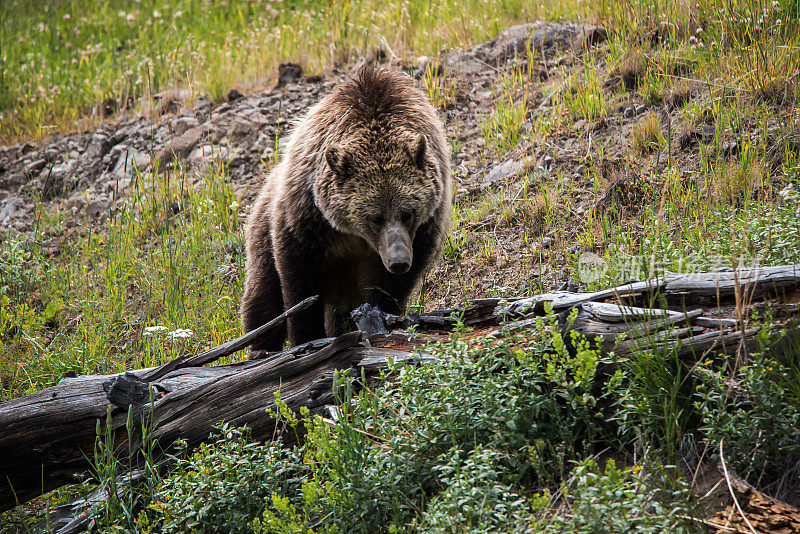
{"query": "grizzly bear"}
[(356, 211)]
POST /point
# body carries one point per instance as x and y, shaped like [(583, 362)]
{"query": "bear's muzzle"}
[(395, 249)]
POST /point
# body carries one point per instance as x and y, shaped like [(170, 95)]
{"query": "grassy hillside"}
[(69, 64), (672, 146)]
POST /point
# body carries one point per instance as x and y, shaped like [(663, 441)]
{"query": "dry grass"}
[(736, 181), (648, 134), (632, 68), (680, 94)]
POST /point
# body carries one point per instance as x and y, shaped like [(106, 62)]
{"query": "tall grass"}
[(61, 61), (163, 276)]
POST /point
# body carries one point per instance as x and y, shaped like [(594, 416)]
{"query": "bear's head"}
[(381, 188)]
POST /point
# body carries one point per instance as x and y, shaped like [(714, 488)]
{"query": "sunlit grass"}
[(123, 295), (60, 61)]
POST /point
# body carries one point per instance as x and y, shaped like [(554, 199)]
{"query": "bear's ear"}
[(337, 160), (418, 148)]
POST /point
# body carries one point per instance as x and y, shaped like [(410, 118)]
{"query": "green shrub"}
[(528, 399), (223, 484), (756, 426), (622, 500), (475, 498)]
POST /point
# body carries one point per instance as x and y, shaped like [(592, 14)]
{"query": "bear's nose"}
[(399, 267)]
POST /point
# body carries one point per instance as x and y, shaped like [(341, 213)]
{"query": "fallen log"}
[(749, 283), (48, 437)]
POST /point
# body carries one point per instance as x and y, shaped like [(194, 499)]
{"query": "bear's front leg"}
[(262, 300), (300, 278)]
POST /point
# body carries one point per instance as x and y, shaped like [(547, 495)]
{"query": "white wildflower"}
[(181, 333), (150, 330)]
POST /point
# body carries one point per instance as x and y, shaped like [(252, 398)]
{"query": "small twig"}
[(730, 489), (711, 523)]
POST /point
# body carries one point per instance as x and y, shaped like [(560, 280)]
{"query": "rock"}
[(591, 36), (56, 180), (98, 146), (240, 127), (544, 36), (181, 146), (35, 166), (182, 124), (10, 209), (77, 201), (288, 73), (498, 172), (98, 207), (267, 154), (461, 64), (130, 160), (207, 153), (234, 95)]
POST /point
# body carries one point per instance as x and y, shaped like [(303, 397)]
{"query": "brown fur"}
[(364, 186)]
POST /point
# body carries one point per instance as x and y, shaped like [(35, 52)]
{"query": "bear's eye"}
[(407, 218), (376, 221)]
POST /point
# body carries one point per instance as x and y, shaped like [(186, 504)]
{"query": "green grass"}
[(484, 439), (86, 298), (60, 60), (583, 94)]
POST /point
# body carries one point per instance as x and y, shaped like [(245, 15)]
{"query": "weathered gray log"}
[(229, 347), (76, 515), (47, 437), (611, 320), (718, 342), (749, 283), (562, 300)]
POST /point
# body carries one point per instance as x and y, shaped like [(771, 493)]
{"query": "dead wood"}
[(48, 436)]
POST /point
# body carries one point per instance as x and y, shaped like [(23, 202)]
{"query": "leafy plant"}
[(623, 500), (474, 498), (752, 421), (223, 485)]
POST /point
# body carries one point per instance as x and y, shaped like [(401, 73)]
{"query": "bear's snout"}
[(400, 266), (395, 249)]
